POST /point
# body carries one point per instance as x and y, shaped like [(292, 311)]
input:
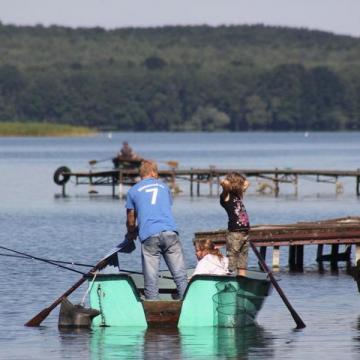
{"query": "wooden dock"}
[(335, 232), (198, 178)]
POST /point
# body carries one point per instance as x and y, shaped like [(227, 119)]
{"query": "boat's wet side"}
[(210, 300)]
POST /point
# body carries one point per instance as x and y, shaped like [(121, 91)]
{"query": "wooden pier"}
[(209, 177), (342, 232)]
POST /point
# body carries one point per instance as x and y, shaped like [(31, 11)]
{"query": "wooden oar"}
[(124, 246), (43, 314), (93, 162), (299, 323)]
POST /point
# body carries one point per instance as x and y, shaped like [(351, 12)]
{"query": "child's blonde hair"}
[(236, 183), (147, 167), (209, 246)]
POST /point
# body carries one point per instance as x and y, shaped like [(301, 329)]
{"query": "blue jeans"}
[(168, 245)]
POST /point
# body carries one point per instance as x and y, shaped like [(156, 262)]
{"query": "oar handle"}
[(299, 323)]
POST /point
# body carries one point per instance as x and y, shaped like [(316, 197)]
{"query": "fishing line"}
[(44, 260), (52, 260)]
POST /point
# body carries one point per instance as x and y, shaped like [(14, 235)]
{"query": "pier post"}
[(173, 186), (334, 257), (357, 253), (198, 186), (211, 178), (276, 258), (120, 184), (113, 181), (276, 183), (300, 258), (348, 261), (292, 253), (191, 184), (296, 185), (319, 257), (296, 258), (218, 185), (263, 252), (263, 256), (358, 184), (91, 188)]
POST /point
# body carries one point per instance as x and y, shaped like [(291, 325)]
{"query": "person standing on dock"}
[(149, 205), (234, 186)]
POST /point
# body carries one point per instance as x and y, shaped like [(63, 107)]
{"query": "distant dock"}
[(342, 232), (207, 177)]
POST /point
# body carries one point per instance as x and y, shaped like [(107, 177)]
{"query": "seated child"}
[(211, 260)]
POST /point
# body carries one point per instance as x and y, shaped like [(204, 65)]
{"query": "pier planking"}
[(334, 232), (210, 176)]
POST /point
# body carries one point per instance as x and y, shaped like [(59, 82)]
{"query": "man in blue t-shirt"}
[(149, 204)]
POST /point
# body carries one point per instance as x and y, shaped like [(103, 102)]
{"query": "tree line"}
[(197, 78)]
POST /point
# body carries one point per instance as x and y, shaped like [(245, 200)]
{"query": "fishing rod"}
[(41, 259), (57, 262), (52, 260)]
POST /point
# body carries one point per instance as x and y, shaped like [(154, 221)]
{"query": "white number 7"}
[(154, 192)]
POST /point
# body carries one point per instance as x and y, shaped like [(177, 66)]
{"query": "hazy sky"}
[(339, 16)]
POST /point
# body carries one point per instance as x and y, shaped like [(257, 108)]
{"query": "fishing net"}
[(230, 306)]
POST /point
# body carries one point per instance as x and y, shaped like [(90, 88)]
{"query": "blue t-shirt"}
[(152, 200)]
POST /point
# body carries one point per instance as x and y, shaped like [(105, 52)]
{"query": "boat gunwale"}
[(166, 290)]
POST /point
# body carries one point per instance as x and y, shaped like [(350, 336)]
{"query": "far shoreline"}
[(38, 129)]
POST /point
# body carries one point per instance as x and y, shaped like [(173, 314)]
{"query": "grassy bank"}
[(42, 129)]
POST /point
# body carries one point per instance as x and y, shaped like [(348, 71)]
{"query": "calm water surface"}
[(34, 219)]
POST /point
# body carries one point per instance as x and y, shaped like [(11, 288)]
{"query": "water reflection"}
[(356, 337), (117, 343), (74, 341), (226, 342), (187, 343), (162, 343)]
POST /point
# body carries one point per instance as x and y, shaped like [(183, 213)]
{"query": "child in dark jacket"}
[(231, 199)]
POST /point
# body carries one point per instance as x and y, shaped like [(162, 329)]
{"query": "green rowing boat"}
[(210, 300)]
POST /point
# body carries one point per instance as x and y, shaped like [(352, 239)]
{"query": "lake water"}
[(34, 219)]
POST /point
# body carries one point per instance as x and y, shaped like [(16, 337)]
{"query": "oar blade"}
[(42, 315), (39, 318)]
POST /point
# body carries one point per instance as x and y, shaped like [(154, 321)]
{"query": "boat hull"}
[(210, 300)]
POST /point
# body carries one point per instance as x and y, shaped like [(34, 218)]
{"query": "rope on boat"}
[(88, 289)]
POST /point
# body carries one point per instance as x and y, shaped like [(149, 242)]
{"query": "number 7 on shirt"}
[(154, 192)]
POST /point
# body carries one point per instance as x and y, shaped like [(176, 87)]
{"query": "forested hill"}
[(181, 78)]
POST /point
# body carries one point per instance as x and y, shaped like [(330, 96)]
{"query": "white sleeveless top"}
[(212, 265)]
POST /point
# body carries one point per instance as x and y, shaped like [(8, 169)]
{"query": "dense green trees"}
[(181, 78)]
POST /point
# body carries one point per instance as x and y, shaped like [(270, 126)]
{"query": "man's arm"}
[(131, 224)]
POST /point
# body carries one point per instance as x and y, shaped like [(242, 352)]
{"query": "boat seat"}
[(161, 291)]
